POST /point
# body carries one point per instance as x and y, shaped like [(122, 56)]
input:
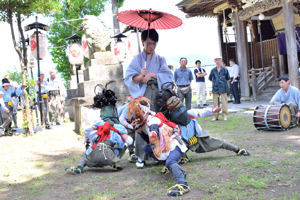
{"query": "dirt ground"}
[(33, 167)]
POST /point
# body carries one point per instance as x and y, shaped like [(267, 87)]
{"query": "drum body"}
[(272, 117)]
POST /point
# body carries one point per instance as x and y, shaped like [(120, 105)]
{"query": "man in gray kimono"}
[(145, 78)]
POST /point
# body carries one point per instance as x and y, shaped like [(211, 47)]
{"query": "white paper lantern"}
[(85, 48), (42, 45), (75, 54), (119, 50), (133, 47)]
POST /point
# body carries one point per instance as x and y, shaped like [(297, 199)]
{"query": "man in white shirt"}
[(234, 81), (57, 93)]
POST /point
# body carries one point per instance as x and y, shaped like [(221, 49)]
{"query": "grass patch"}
[(39, 165)]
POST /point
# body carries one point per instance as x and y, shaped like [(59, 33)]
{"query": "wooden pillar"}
[(242, 57), (274, 65), (290, 36), (281, 64), (254, 85), (220, 36)]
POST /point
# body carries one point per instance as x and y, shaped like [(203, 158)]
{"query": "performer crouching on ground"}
[(164, 141), (108, 142), (195, 138)]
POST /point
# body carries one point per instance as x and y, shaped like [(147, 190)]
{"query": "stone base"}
[(86, 89), (80, 110), (73, 80), (245, 98), (103, 72), (72, 93)]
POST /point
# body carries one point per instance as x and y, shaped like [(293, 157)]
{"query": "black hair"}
[(232, 60), (224, 61), (284, 77), (197, 62), (153, 35), (183, 58)]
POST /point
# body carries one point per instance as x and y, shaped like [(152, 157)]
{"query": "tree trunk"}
[(115, 21), (23, 62)]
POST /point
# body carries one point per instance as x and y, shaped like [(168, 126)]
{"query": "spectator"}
[(200, 74), (44, 95), (183, 78), (234, 80), (56, 97), (220, 78)]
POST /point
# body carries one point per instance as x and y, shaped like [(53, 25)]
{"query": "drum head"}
[(285, 116)]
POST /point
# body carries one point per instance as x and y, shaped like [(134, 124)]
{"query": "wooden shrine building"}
[(259, 34)]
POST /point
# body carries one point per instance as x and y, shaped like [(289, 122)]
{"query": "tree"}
[(14, 74), (21, 9), (114, 7), (70, 11)]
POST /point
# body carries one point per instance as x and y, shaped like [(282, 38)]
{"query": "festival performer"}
[(15, 110), (123, 118), (290, 95), (107, 144), (44, 95), (196, 139), (164, 141), (7, 105), (146, 79)]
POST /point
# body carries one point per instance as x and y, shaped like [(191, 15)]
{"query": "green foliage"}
[(30, 84), (6, 175), (39, 165), (27, 8), (71, 9), (15, 75), (120, 3), (29, 87)]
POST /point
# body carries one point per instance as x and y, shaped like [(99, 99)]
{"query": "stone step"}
[(101, 61)]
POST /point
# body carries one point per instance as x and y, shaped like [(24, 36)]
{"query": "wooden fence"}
[(270, 49), (261, 78)]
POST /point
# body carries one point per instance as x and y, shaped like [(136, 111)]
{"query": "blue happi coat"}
[(115, 138)]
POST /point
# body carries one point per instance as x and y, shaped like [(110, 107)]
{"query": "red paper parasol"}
[(149, 19)]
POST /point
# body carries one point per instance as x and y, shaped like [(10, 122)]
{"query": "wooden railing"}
[(261, 78)]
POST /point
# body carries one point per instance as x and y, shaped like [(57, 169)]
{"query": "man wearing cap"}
[(14, 84), (44, 95), (7, 105), (183, 78), (220, 78), (56, 95)]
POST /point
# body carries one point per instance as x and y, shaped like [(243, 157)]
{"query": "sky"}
[(197, 36)]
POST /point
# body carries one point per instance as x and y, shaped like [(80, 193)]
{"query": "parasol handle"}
[(147, 43)]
